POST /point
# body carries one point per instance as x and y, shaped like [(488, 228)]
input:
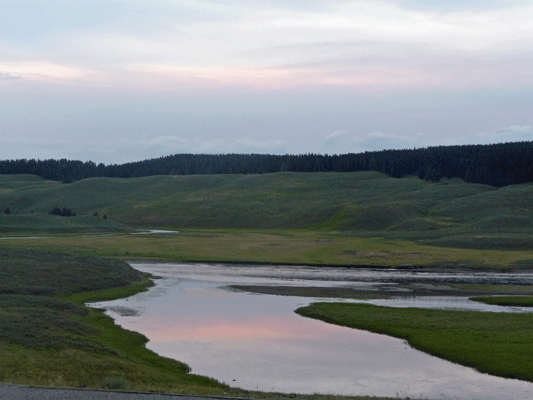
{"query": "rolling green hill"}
[(449, 213)]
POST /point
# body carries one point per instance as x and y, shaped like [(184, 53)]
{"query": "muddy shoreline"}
[(437, 267), (360, 282)]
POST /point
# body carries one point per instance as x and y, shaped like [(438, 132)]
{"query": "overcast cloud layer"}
[(118, 81)]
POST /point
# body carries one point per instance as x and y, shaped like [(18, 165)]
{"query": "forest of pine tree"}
[(495, 164)]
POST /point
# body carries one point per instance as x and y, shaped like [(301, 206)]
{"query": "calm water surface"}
[(257, 342)]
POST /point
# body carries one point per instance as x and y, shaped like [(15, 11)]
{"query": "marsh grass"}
[(34, 272), (496, 343), (494, 289), (511, 301), (45, 326), (278, 247), (45, 224)]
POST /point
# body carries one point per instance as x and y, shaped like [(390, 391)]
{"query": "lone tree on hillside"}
[(7, 211)]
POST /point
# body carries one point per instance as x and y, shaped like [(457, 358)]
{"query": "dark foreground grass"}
[(496, 343), (512, 301), (48, 273)]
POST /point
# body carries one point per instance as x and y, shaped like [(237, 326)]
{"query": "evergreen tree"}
[(55, 211)]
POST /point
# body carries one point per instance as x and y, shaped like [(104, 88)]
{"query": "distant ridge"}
[(494, 164)]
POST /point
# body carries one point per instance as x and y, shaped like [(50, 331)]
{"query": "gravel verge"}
[(20, 392)]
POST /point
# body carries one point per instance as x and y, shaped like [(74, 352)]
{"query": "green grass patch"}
[(512, 301), (279, 247), (49, 273), (46, 224), (494, 289), (46, 324), (496, 343)]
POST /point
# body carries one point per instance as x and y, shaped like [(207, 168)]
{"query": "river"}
[(257, 342)]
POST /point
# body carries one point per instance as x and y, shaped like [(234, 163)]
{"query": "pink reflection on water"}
[(226, 329)]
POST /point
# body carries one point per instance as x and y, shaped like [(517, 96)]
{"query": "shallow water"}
[(257, 342)]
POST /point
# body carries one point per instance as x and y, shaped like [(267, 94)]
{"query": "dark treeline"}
[(496, 164)]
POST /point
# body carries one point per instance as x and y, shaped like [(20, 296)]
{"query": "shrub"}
[(115, 384)]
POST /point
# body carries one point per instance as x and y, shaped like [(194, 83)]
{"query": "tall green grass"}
[(511, 301), (53, 274)]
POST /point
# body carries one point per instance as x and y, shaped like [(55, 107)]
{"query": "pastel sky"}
[(124, 80)]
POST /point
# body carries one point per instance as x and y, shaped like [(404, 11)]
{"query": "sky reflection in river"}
[(258, 342)]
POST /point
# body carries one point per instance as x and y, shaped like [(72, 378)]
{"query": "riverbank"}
[(502, 294)]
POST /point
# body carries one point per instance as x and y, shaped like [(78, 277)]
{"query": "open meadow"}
[(449, 213)]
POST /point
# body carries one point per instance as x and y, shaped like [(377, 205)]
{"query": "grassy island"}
[(511, 301), (496, 343)]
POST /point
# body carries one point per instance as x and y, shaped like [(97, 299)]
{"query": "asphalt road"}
[(16, 392)]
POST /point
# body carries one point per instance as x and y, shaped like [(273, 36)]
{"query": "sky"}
[(125, 80)]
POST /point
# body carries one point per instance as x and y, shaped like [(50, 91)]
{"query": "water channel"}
[(257, 342)]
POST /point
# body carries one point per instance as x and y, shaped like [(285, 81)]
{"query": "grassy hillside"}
[(449, 213)]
